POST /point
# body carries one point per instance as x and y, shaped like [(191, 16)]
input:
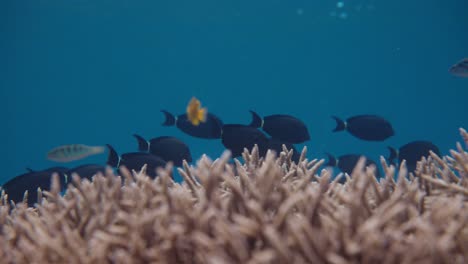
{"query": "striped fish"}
[(67, 153)]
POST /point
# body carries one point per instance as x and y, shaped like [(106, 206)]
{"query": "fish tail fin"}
[(143, 145), (170, 119), (202, 112), (332, 162), (340, 124), (393, 155), (113, 158), (256, 120)]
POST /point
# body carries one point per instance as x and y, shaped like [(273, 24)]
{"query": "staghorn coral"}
[(267, 210)]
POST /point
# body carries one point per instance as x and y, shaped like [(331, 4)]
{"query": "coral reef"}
[(269, 210)]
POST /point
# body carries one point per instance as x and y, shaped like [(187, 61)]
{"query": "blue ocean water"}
[(97, 71)]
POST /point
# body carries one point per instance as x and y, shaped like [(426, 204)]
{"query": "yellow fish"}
[(67, 153), (195, 113)]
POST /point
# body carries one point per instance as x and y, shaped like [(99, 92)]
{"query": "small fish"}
[(412, 152), (168, 148), (460, 68), (67, 153), (365, 127), (283, 127), (210, 129), (195, 113)]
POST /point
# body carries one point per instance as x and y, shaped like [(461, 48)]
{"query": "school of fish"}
[(268, 133)]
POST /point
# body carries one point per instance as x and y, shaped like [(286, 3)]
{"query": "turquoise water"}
[(95, 72)]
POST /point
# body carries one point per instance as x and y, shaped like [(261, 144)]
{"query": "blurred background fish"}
[(195, 113), (412, 152), (347, 162), (72, 152), (460, 68)]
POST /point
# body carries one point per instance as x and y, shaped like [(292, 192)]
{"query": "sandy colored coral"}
[(267, 210)]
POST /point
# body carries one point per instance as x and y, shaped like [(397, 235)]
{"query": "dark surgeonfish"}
[(236, 137), (135, 161), (277, 146), (282, 127), (31, 181), (412, 152), (210, 129), (366, 127), (87, 171), (460, 68), (168, 148), (346, 163)]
